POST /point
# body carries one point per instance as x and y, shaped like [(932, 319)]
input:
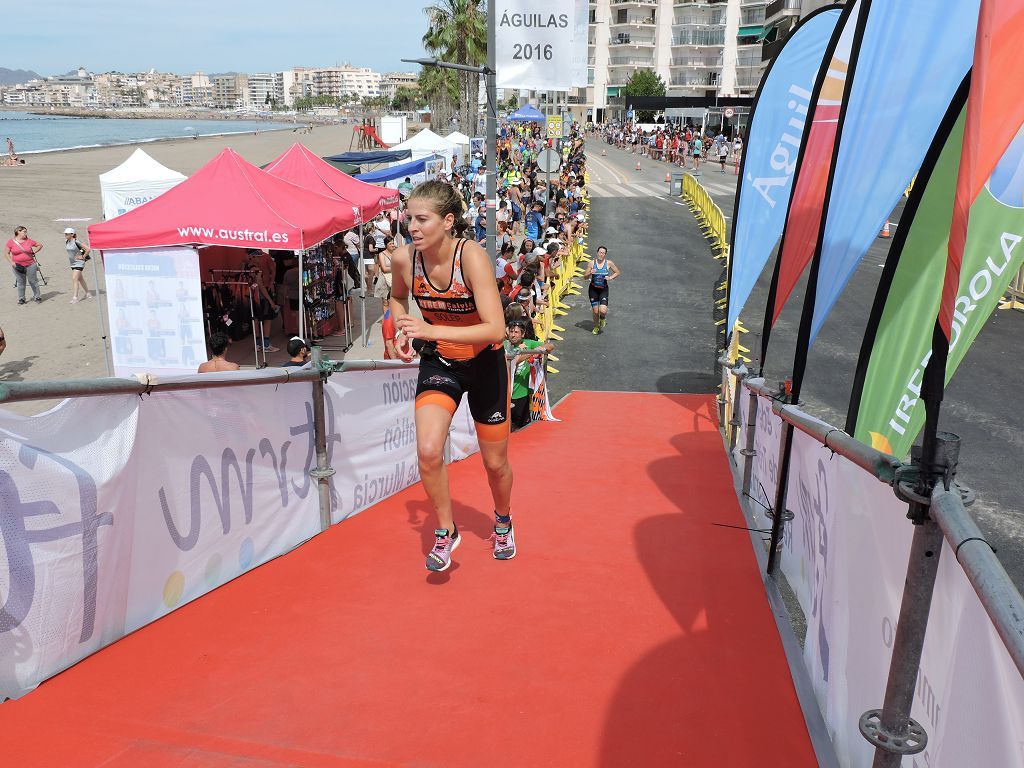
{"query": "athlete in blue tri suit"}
[(601, 271)]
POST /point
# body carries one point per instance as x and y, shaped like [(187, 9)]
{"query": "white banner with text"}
[(116, 510), (536, 44), (845, 556)]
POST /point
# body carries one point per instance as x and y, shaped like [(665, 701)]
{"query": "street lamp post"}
[(490, 84)]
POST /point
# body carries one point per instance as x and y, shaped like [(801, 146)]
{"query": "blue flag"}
[(773, 142)]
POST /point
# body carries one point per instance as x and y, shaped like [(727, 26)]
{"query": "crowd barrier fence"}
[(132, 497), (1014, 296), (914, 639)]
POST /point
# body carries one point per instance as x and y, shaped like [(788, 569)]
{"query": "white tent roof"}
[(139, 166), (457, 138), (426, 142)]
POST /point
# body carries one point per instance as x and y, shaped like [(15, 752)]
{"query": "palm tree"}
[(458, 34), (440, 89)]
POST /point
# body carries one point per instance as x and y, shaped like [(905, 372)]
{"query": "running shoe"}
[(440, 556), (597, 329), (74, 300), (38, 299), (21, 301), (504, 542), (271, 348)]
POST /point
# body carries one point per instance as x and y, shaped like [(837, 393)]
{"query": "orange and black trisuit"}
[(450, 369)]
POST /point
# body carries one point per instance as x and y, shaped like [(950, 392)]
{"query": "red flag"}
[(995, 112), (804, 217)]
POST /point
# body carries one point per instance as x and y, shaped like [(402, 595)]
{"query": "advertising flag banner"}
[(804, 217), (898, 95), (773, 140), (536, 43), (993, 113), (887, 410)]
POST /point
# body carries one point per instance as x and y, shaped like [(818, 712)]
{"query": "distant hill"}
[(16, 76)]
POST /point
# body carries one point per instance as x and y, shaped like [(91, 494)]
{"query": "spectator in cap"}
[(298, 351), (77, 256)]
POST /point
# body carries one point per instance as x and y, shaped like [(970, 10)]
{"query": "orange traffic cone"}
[(885, 230), (668, 177), (638, 165)]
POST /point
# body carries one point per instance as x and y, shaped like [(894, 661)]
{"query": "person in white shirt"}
[(480, 180)]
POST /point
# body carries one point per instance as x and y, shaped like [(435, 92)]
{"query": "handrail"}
[(878, 463)]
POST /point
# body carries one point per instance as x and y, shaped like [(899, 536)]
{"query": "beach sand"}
[(57, 340)]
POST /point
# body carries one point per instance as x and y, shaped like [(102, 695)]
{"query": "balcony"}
[(696, 61), (695, 81), (698, 3), (780, 8), (648, 3), (630, 61), (633, 21), (709, 20), (631, 40), (699, 37)]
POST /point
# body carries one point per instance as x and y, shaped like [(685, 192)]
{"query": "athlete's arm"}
[(613, 271), (590, 269), (401, 277)]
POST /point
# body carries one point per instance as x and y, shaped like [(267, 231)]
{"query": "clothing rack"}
[(242, 283)]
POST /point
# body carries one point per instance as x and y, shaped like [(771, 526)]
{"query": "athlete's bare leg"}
[(499, 474), (432, 423)]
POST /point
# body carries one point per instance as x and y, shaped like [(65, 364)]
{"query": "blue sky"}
[(56, 36)]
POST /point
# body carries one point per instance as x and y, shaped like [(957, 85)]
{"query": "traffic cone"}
[(885, 230), (638, 165), (668, 177)]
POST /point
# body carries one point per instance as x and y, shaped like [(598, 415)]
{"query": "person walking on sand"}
[(12, 156), (78, 254), (21, 253), (460, 344)]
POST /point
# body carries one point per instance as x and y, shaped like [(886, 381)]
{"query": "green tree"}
[(440, 90), (406, 99), (511, 103), (457, 33), (644, 82)]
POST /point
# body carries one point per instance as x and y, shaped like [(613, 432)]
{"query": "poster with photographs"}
[(155, 308), (434, 168)]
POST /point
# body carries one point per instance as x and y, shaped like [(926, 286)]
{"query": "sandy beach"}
[(57, 340)]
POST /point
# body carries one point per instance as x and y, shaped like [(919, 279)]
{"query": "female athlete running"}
[(601, 271), (459, 341)]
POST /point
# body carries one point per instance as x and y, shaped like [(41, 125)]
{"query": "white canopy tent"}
[(137, 180), (427, 143), (462, 141)]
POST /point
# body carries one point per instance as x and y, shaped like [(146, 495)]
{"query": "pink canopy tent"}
[(230, 202), (300, 166)]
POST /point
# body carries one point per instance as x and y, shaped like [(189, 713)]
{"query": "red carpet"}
[(629, 631)]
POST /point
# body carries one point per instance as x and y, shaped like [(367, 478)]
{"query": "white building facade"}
[(700, 48)]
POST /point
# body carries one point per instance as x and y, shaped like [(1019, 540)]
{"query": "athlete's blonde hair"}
[(444, 199)]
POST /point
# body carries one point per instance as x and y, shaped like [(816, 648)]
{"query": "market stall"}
[(300, 166), (228, 202)]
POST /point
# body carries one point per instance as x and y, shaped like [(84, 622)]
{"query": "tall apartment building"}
[(230, 91), (260, 90), (781, 16), (700, 48), (391, 81)]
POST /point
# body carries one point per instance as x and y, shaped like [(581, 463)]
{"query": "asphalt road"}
[(660, 335)]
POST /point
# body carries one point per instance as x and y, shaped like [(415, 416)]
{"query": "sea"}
[(47, 133)]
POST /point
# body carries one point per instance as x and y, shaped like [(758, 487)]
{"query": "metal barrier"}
[(938, 511), (1014, 296)]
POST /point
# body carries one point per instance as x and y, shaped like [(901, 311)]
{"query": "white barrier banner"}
[(66, 498), (375, 429), (116, 510), (845, 555), (536, 44), (223, 486)]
